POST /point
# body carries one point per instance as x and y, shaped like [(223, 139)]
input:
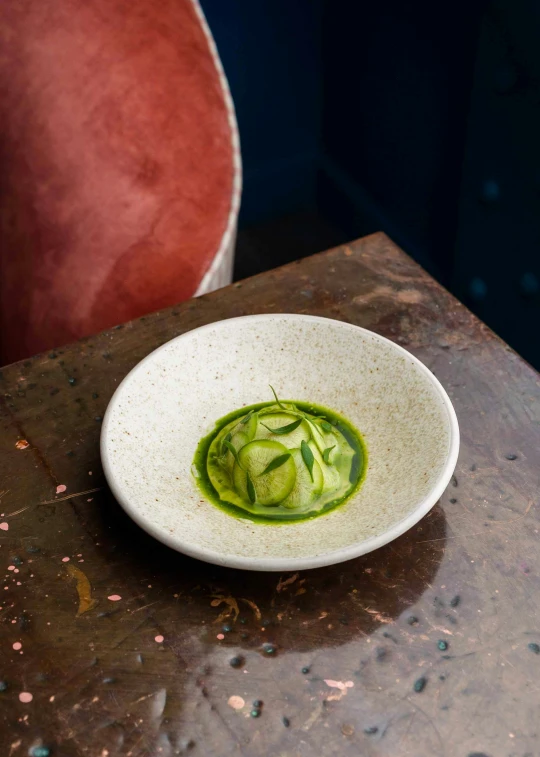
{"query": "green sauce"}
[(280, 462)]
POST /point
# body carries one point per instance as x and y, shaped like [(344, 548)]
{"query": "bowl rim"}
[(285, 563)]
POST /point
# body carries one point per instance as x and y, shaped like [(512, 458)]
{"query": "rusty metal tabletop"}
[(111, 644)]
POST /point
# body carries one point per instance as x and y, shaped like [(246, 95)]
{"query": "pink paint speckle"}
[(16, 570), (65, 559), (18, 583), (25, 697), (115, 597), (4, 526), (236, 702), (159, 638), (220, 636), (11, 567), (17, 646), (61, 488)]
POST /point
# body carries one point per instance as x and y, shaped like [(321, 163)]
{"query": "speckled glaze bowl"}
[(173, 397)]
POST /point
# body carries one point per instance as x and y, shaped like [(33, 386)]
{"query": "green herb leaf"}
[(223, 443), (246, 419), (312, 424), (251, 490), (326, 454), (307, 456), (232, 450), (326, 426), (275, 395), (284, 429), (276, 463)]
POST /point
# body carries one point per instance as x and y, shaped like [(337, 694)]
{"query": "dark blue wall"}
[(271, 53), (416, 118)]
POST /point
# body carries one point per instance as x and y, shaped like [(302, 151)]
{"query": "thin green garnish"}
[(232, 450), (276, 463), (224, 442), (283, 429), (326, 454), (307, 456), (250, 489), (246, 419), (277, 398), (326, 426)]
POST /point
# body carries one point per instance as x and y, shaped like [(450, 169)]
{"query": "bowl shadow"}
[(322, 607)]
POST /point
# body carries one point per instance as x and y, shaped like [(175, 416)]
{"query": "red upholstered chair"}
[(119, 165)]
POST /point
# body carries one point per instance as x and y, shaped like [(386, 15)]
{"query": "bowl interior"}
[(173, 398)]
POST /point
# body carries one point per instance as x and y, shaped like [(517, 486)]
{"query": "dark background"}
[(419, 119)]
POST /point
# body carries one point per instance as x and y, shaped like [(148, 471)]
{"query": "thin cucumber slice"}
[(322, 438), (279, 420), (305, 491), (220, 475), (244, 432), (218, 453), (238, 434), (270, 488), (331, 476)]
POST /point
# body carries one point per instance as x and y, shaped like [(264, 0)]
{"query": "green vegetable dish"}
[(280, 461)]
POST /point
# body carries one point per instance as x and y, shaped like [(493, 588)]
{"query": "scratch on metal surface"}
[(159, 699), (17, 512), (431, 722), (70, 496), (84, 589), (144, 607), (519, 517), (377, 615), (313, 717), (288, 581), (253, 606)]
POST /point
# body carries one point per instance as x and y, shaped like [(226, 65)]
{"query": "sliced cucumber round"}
[(305, 490), (269, 488), (244, 432), (280, 421)]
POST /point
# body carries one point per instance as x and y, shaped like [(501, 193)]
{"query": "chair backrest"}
[(120, 166)]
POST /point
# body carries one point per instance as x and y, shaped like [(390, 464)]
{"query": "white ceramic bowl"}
[(173, 397)]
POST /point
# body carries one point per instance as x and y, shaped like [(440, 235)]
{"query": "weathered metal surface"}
[(426, 647)]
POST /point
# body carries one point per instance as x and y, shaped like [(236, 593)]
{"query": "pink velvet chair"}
[(120, 166)]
